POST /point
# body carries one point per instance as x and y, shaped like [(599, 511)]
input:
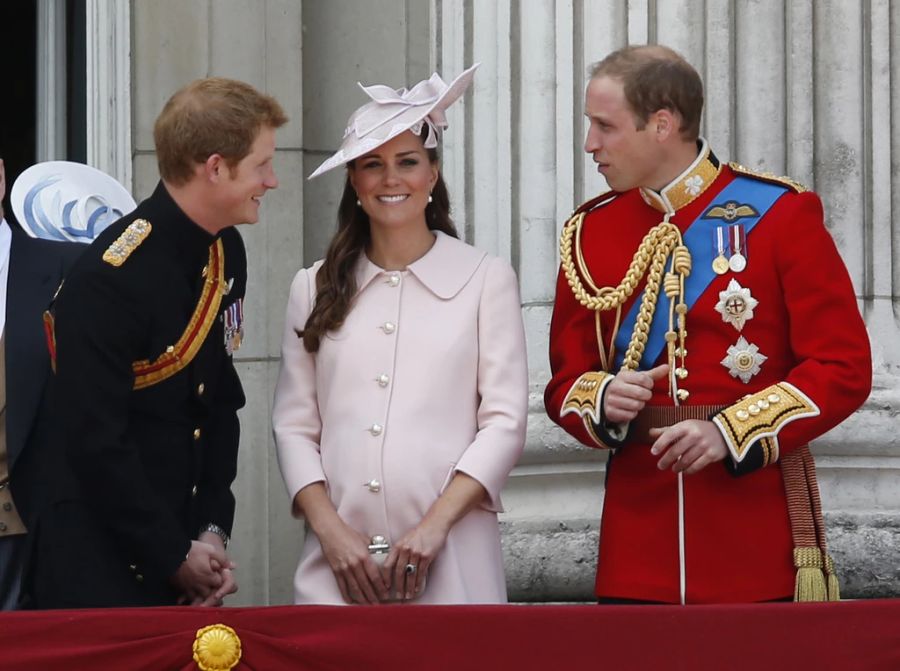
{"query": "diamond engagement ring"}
[(410, 569)]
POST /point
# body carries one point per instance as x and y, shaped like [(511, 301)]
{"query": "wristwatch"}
[(218, 531)]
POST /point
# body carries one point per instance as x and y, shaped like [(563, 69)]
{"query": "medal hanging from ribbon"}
[(730, 245), (738, 260), (720, 263), (233, 317)]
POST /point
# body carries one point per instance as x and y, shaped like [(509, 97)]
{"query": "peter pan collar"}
[(444, 269), (688, 185)]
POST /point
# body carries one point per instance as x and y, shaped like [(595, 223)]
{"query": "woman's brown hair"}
[(336, 279)]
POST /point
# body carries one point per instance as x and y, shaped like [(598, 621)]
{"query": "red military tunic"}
[(716, 536)]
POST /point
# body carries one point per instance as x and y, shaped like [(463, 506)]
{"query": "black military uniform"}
[(148, 395)]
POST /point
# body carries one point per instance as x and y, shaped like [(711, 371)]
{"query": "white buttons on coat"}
[(389, 327), (394, 280), (374, 486), (376, 429), (382, 380)]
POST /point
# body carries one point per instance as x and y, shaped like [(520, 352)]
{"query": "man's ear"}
[(667, 123), (214, 168)]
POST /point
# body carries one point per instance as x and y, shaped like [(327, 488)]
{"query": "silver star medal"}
[(736, 305), (743, 360)]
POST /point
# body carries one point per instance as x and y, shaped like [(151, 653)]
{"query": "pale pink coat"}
[(427, 376)]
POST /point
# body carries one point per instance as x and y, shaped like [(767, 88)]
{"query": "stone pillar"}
[(779, 98)]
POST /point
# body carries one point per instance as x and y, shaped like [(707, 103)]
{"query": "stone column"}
[(780, 97)]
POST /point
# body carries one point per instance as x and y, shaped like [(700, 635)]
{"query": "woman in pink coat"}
[(401, 403)]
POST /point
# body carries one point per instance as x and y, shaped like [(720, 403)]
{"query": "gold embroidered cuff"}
[(585, 394), (760, 416)]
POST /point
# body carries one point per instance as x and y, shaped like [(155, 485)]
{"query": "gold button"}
[(200, 389), (170, 349), (683, 394), (196, 434)]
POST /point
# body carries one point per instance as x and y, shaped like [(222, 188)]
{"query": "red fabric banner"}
[(846, 635)]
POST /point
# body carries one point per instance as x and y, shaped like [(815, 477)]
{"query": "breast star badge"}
[(743, 360), (736, 305)]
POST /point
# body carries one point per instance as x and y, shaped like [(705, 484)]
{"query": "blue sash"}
[(699, 238)]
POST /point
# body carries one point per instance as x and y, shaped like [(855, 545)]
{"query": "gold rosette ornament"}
[(217, 648)]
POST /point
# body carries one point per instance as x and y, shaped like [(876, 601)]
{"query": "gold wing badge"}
[(730, 212)]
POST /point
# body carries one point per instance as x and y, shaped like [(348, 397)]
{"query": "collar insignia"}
[(688, 185)]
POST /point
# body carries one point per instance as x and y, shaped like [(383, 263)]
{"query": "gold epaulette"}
[(589, 205), (178, 356), (125, 244), (794, 186)]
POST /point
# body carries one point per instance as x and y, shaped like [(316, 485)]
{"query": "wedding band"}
[(410, 569)]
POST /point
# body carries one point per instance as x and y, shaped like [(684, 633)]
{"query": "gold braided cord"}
[(658, 244), (605, 363), (648, 305), (579, 257)]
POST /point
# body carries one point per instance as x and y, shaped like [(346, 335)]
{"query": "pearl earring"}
[(430, 199), (358, 204)]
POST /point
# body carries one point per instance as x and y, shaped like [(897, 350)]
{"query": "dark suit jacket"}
[(36, 268), (143, 469)]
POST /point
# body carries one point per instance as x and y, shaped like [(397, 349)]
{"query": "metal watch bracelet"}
[(217, 530)]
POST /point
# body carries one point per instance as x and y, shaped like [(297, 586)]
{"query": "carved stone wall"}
[(781, 96), (805, 88)]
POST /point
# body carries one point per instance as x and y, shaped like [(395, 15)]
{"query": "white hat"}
[(391, 112), (61, 200)]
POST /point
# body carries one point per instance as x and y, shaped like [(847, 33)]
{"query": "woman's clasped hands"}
[(401, 577)]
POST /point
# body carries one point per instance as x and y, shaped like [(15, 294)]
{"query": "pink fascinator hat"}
[(395, 111)]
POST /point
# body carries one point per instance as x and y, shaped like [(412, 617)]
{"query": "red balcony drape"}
[(847, 635)]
